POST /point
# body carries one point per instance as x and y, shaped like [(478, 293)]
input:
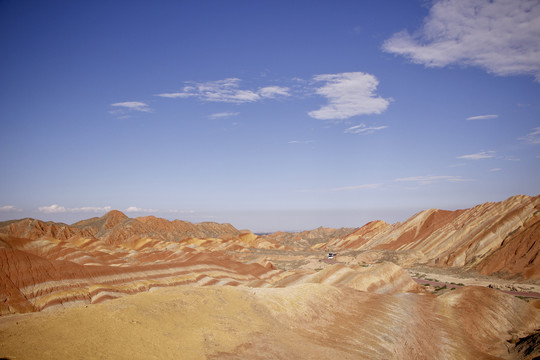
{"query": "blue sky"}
[(270, 115)]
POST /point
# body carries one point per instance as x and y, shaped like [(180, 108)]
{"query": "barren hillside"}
[(211, 291)]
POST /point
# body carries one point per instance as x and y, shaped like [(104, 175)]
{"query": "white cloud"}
[(132, 105), (356, 187), (349, 94), (90, 209), (425, 180), (54, 208), (227, 90), (501, 36), (483, 117), (85, 209), (300, 142), (274, 91), (9, 208), (478, 156), (363, 129), (223, 115), (184, 94), (181, 211), (512, 158), (140, 210), (533, 137), (495, 169)]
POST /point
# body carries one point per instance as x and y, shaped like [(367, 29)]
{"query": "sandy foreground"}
[(309, 321)]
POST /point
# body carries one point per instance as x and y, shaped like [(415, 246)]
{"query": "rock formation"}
[(494, 238), (240, 303)]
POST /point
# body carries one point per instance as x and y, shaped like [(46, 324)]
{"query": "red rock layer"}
[(31, 282)]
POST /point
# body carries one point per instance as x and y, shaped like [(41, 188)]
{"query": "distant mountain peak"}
[(113, 218)]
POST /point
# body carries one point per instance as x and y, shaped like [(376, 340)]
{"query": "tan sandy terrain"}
[(308, 321)]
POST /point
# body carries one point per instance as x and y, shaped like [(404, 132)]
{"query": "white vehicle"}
[(331, 256)]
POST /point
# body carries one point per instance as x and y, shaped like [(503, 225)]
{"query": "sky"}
[(269, 115)]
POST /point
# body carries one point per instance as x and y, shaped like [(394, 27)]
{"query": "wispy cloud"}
[(174, 211), (223, 115), (356, 187), (132, 105), (349, 94), (228, 91), (9, 208), (429, 179), (185, 94), (91, 209), (483, 117), (140, 210), (274, 91), (533, 137), (55, 208), (123, 110), (495, 169), (501, 36), (478, 156), (300, 142), (363, 129)]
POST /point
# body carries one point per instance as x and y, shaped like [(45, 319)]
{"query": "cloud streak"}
[(483, 117), (140, 210), (223, 115), (348, 94), (300, 142), (9, 208), (52, 209), (363, 129), (123, 110), (533, 137), (132, 106), (356, 187), (478, 156), (55, 208), (501, 36), (429, 179), (227, 91)]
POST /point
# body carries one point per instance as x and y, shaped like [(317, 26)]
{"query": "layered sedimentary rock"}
[(44, 264), (383, 278), (502, 238), (33, 283), (194, 293), (308, 238)]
